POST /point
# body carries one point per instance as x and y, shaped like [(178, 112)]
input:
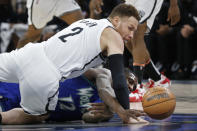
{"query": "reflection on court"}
[(183, 119)]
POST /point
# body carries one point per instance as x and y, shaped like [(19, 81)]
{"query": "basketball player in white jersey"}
[(84, 44), (148, 9), (40, 12)]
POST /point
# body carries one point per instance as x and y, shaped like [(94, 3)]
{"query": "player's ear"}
[(116, 21)]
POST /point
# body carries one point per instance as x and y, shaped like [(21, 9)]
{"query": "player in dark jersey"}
[(75, 97)]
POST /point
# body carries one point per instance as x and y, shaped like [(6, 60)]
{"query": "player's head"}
[(131, 80), (125, 19)]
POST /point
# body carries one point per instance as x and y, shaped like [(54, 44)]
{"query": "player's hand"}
[(95, 5), (186, 31), (163, 29), (131, 116), (96, 113), (100, 109), (174, 15), (139, 121)]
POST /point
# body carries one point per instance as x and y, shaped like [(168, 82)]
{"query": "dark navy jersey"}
[(74, 96), (9, 96)]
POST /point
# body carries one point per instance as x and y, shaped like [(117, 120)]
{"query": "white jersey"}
[(148, 9), (77, 48), (40, 12), (39, 67)]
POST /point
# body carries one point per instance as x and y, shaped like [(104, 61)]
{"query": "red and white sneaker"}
[(163, 82), (136, 96)]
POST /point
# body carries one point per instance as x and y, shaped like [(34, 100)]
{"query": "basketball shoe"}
[(136, 96), (163, 82)]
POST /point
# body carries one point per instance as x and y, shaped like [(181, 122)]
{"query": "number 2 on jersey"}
[(75, 30)]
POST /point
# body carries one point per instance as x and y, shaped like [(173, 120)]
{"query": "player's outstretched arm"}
[(18, 116), (102, 111), (106, 93), (112, 43)]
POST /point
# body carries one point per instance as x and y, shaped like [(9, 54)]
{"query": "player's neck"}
[(110, 21)]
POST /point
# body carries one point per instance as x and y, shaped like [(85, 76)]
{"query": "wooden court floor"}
[(183, 119)]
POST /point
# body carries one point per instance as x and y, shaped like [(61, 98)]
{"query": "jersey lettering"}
[(75, 30), (88, 23), (67, 103), (66, 100), (85, 95)]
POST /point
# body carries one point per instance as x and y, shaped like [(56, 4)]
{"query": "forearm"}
[(173, 3), (119, 81), (31, 35), (107, 94), (111, 101), (26, 39), (93, 15), (18, 116)]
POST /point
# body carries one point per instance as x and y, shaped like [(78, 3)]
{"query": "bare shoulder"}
[(111, 34), (112, 41)]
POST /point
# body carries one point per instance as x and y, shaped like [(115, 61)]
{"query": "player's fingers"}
[(140, 111), (177, 19), (96, 104), (173, 21), (140, 114), (137, 113), (132, 121), (134, 117), (96, 112), (98, 8), (102, 105), (97, 108), (99, 104), (101, 2)]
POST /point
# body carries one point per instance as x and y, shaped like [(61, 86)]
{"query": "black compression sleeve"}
[(119, 81)]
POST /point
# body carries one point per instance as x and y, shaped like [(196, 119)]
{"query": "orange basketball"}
[(159, 103)]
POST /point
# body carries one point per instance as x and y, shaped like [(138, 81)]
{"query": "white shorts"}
[(40, 12), (37, 77), (148, 9)]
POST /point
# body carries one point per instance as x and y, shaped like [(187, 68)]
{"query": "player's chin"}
[(126, 39), (130, 88)]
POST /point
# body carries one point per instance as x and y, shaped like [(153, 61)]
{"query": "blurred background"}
[(172, 48)]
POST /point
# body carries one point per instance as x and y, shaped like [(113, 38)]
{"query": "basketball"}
[(159, 103)]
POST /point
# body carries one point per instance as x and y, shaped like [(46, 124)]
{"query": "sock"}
[(138, 71), (152, 71)]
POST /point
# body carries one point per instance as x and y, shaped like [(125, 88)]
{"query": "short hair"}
[(123, 10)]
